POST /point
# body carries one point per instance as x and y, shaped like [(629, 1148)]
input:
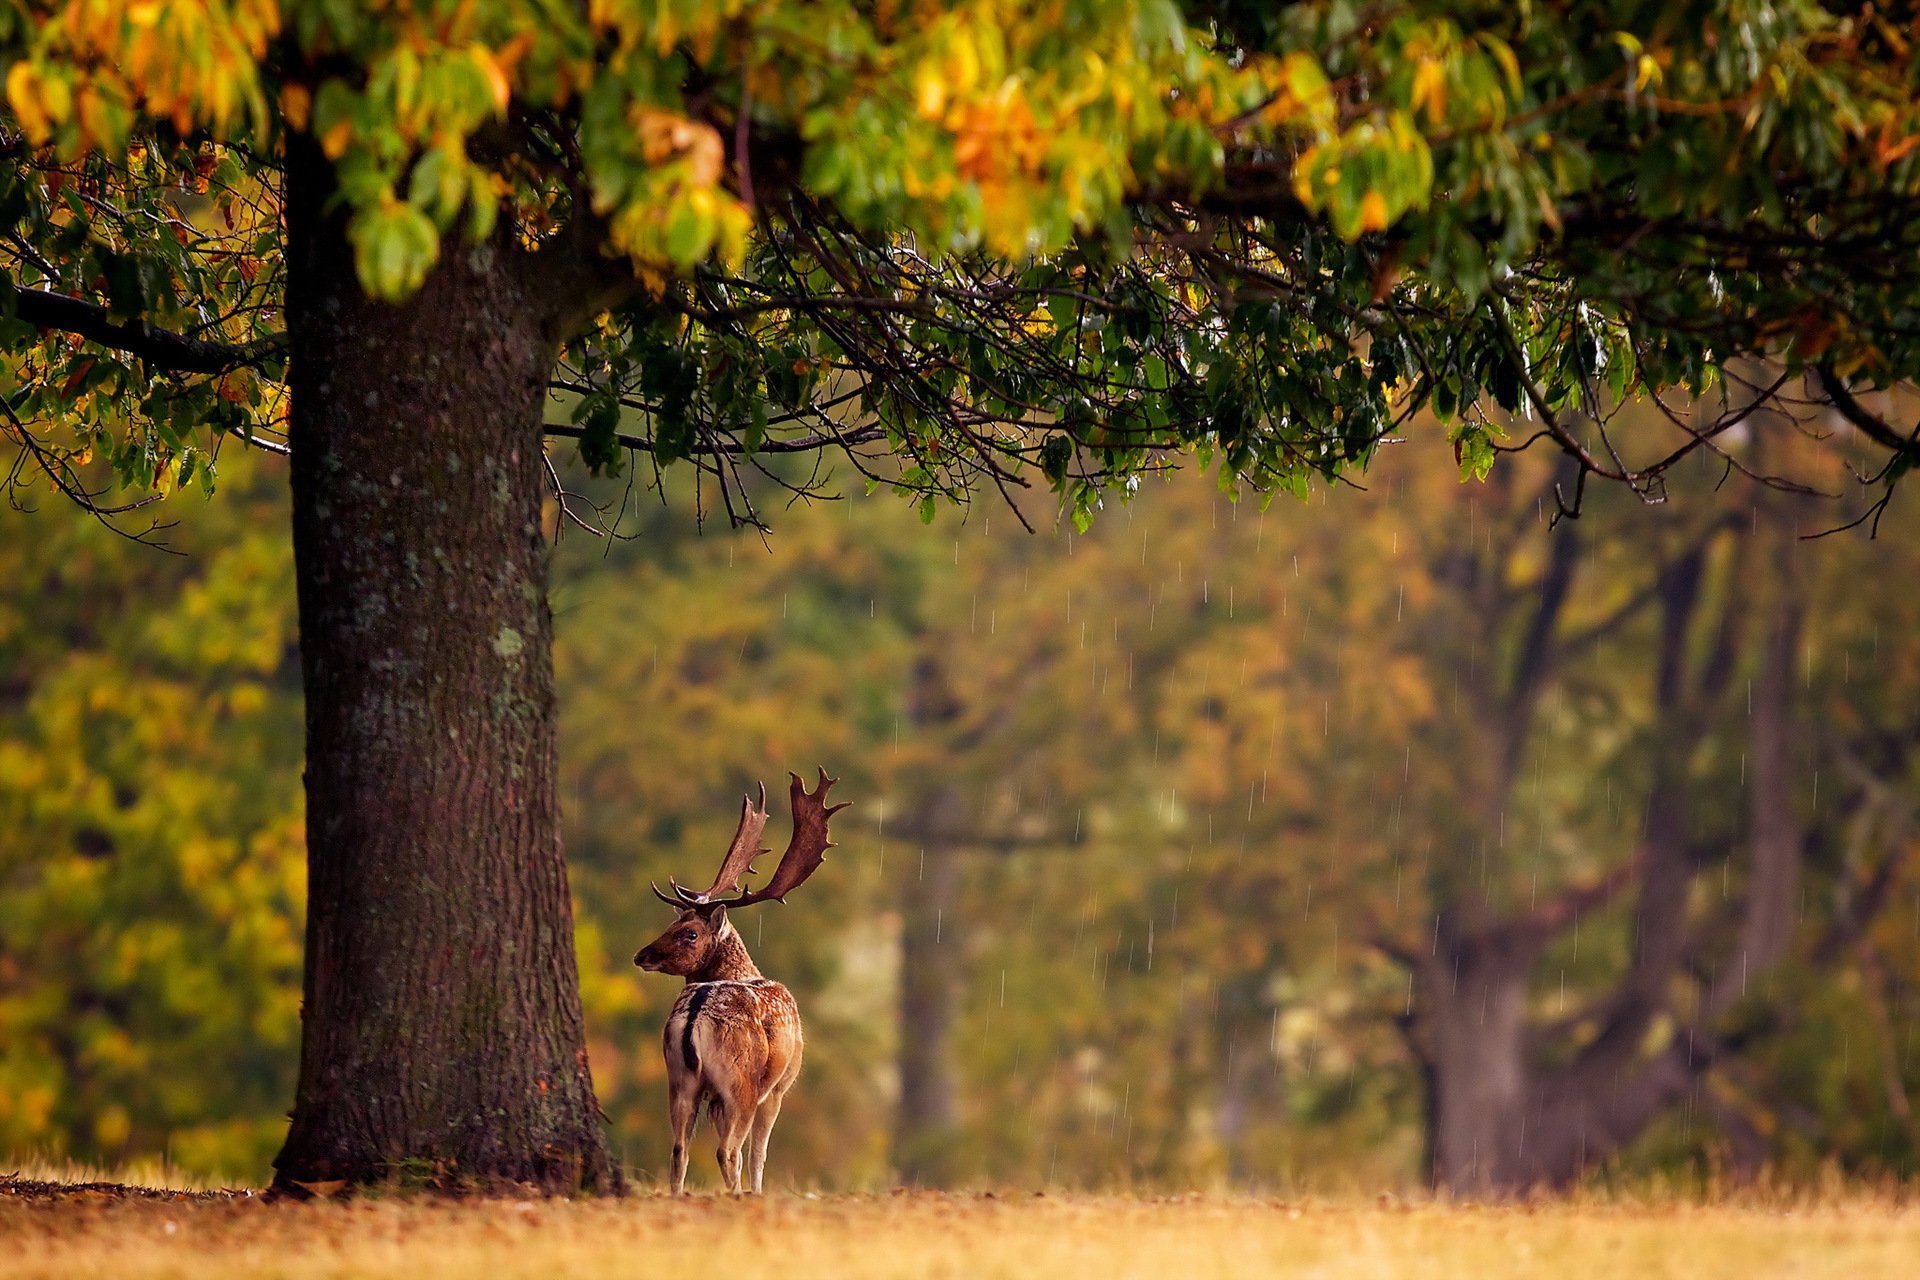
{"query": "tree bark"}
[(1476, 1022), (925, 1126), (442, 1038)]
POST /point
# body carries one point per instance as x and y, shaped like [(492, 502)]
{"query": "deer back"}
[(738, 1036)]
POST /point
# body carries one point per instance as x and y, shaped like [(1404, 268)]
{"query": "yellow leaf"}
[(235, 386), (496, 78), (1303, 177), (296, 104), (1430, 88), (1509, 65), (963, 60), (335, 143), (929, 94), (94, 121), (24, 96), (1373, 212)]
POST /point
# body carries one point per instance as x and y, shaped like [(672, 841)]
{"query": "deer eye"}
[(688, 935)]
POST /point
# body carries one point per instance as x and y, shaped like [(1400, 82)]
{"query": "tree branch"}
[(176, 353), (735, 448), (1537, 647), (1550, 918), (1869, 424)]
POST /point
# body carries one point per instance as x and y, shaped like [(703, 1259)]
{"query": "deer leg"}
[(763, 1120), (683, 1109), (784, 1047), (732, 1120)]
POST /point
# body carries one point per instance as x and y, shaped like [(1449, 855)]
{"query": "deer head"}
[(701, 918)]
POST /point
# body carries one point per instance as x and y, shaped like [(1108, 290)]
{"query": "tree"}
[(960, 248), (1516, 1100), (150, 819), (1615, 859)]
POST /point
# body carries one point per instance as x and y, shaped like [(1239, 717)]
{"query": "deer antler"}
[(744, 849), (738, 862), (808, 848)]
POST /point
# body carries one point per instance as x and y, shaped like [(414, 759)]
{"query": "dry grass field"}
[(1855, 1235)]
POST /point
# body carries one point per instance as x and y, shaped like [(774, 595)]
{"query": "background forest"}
[(1213, 845)]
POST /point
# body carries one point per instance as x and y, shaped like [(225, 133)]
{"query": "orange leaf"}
[(81, 368)]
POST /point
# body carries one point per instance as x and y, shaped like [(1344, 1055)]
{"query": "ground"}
[(66, 1230)]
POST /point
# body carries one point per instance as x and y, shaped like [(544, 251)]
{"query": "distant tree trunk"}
[(1476, 1024), (925, 1127), (930, 973), (442, 1037), (1248, 1086), (1189, 1071)]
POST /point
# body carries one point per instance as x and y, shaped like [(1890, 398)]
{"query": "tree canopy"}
[(993, 241)]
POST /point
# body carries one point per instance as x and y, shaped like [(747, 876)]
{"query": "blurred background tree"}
[(151, 835), (1213, 845)]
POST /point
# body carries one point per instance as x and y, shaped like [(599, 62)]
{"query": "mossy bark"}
[(442, 1038)]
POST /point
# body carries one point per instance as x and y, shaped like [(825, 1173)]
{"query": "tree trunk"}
[(925, 1127), (442, 1038), (1476, 1019)]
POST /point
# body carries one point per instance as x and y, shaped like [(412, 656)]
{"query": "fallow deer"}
[(733, 1039)]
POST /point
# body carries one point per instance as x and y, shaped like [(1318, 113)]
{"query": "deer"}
[(733, 1039)]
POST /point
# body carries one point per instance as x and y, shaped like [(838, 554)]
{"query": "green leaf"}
[(395, 245), (599, 449)]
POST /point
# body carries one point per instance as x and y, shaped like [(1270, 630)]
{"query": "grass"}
[(152, 1175), (1852, 1233)]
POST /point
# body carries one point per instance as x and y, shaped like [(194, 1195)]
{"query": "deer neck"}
[(728, 961)]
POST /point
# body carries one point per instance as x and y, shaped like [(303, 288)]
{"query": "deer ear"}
[(715, 914)]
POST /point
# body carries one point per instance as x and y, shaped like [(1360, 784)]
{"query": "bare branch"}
[(1871, 425)]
